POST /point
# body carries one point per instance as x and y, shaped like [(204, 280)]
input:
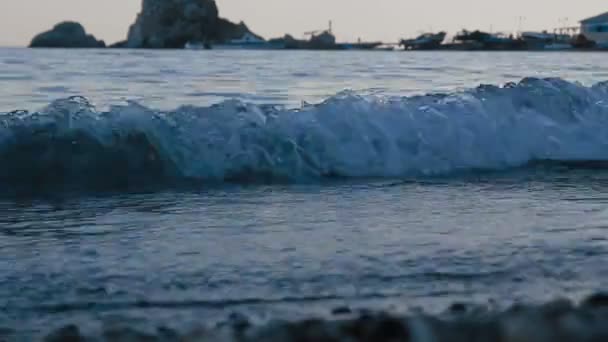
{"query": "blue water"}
[(184, 186)]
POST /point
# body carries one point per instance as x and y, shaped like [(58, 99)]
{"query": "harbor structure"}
[(596, 29)]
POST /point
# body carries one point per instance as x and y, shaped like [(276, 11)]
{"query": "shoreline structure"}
[(197, 25)]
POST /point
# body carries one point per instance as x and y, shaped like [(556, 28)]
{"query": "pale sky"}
[(386, 20)]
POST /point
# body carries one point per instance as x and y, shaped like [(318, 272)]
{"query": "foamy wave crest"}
[(348, 135)]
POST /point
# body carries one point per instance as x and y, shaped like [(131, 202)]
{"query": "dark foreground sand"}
[(559, 320)]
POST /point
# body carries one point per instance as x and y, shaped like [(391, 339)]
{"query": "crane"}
[(315, 32)]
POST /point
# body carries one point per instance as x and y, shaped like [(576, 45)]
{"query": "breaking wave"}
[(348, 135)]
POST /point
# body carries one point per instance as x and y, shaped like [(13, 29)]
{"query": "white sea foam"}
[(347, 135)]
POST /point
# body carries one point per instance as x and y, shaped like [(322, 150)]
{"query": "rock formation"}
[(173, 23), (67, 34)]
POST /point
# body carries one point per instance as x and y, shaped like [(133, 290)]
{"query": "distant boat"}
[(558, 46), (546, 41), (384, 48), (359, 45), (248, 41), (197, 46), (247, 46), (479, 40), (582, 42), (426, 41), (538, 36)]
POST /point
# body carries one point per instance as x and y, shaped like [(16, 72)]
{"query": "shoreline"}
[(446, 49), (558, 320)]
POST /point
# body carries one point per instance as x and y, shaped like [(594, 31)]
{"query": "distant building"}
[(596, 29)]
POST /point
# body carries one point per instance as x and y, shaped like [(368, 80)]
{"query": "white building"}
[(596, 29)]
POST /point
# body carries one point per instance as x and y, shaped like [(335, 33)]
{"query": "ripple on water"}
[(54, 89)]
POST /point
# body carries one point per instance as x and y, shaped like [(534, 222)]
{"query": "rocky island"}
[(173, 23), (161, 24), (67, 34)]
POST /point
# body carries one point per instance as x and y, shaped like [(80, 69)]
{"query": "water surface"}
[(347, 221)]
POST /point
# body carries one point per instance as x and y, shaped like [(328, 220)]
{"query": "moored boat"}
[(426, 41)]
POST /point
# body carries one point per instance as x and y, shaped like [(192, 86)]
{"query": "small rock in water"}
[(463, 309), (597, 300), (239, 322), (526, 327), (557, 308), (365, 312), (5, 333), (341, 310), (167, 334), (380, 329), (127, 335), (458, 308), (390, 329), (69, 333), (203, 335)]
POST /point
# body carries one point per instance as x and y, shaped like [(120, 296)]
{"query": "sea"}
[(177, 189)]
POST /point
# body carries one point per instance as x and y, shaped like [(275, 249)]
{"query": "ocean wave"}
[(348, 135)]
